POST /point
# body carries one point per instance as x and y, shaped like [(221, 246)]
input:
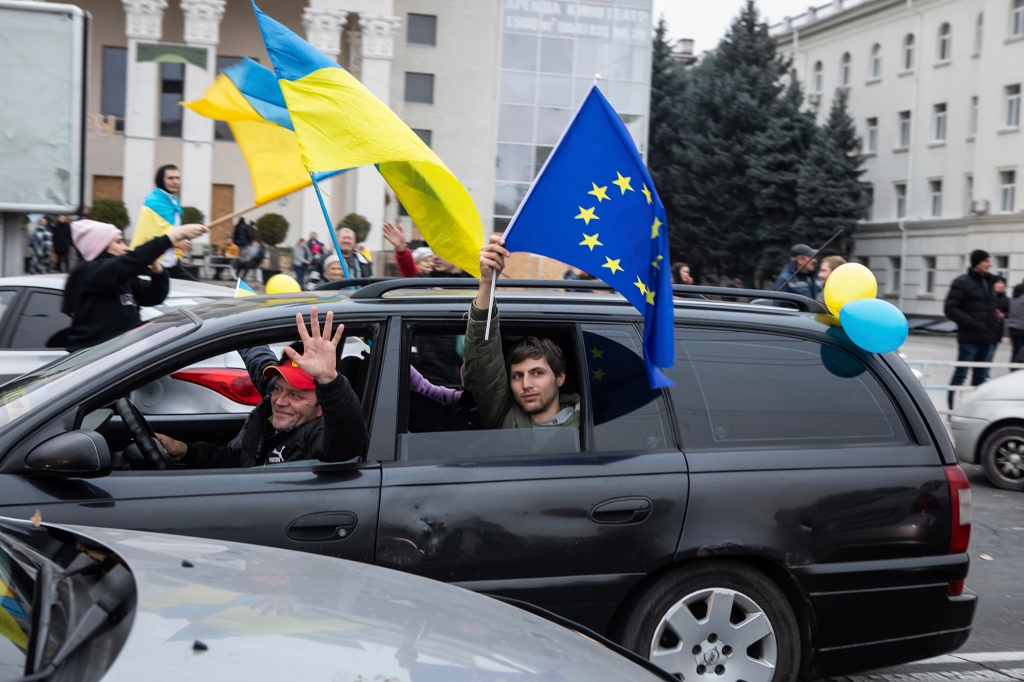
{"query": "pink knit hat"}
[(92, 238)]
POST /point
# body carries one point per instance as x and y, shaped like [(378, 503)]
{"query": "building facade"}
[(935, 90), (488, 84)]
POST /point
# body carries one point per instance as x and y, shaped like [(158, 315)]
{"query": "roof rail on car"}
[(802, 303), (378, 287), (346, 283)]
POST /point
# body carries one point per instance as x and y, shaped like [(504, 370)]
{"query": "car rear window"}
[(741, 390)]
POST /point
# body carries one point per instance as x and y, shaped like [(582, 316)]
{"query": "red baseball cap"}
[(293, 374)]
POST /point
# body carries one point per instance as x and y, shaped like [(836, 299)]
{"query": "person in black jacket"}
[(308, 411), (971, 303), (103, 293)]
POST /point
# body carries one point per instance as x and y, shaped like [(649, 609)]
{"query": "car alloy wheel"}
[(1009, 459), (1002, 456), (713, 620), (716, 634)]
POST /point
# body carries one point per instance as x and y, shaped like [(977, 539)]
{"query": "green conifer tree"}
[(743, 138), (831, 195), (668, 87)]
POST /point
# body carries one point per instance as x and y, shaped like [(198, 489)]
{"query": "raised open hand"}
[(395, 235), (320, 352)]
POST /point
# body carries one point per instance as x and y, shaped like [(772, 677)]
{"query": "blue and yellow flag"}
[(247, 96), (341, 124), (159, 214), (594, 206)]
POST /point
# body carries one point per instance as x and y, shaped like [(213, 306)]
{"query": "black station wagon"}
[(791, 507)]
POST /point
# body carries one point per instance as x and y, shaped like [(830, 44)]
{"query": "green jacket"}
[(486, 377)]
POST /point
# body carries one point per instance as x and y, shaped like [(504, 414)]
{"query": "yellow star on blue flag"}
[(597, 151)]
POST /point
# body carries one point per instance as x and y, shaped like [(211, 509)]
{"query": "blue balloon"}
[(875, 325)]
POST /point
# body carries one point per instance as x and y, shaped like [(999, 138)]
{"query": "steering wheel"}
[(153, 453)]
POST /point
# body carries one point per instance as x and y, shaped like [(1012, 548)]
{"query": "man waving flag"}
[(594, 206), (339, 123)]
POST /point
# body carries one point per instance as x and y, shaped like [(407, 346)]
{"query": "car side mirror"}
[(75, 454)]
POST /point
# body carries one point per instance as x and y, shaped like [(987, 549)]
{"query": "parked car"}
[(791, 506), (988, 429), (162, 607), (32, 324)]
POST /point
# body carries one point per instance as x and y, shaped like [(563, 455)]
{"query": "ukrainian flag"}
[(159, 214), (247, 96), (341, 124)]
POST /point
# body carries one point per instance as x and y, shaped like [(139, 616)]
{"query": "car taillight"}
[(960, 503), (233, 384)]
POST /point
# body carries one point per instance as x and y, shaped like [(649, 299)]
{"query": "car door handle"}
[(622, 510), (322, 526)]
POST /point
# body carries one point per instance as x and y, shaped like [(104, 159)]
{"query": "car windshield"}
[(32, 391)]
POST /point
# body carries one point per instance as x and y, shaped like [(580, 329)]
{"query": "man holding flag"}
[(528, 394), (160, 213)]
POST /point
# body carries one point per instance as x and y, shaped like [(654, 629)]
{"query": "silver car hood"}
[(272, 614)]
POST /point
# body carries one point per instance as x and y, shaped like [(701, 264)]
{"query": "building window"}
[(426, 135), (818, 76), (869, 202), (844, 69), (1001, 265), (1008, 186), (904, 130), (896, 270), (945, 43), (978, 26), (419, 87), (872, 136), (968, 192), (115, 83), (908, 52), (1017, 21), (936, 198), (974, 116), (939, 123), (929, 274), (876, 61), (172, 90), (1013, 105), (901, 200), (421, 29)]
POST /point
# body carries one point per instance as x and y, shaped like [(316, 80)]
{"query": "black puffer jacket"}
[(339, 435), (971, 304), (103, 296)]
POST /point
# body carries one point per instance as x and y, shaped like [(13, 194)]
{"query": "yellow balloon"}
[(282, 284), (849, 282)]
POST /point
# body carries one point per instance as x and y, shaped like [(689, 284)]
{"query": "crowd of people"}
[(50, 248)]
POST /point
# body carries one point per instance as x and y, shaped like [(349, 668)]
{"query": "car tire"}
[(1002, 455), (676, 625)]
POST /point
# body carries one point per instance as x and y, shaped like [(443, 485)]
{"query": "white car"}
[(988, 429), (32, 328), (31, 320), (92, 604)]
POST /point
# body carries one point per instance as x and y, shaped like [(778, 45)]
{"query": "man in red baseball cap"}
[(308, 411)]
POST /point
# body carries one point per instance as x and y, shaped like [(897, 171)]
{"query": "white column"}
[(202, 29), (377, 50), (143, 23), (323, 31)]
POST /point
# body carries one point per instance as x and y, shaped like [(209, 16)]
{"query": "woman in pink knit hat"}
[(103, 293)]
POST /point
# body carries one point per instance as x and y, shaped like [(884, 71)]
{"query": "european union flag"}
[(594, 206)]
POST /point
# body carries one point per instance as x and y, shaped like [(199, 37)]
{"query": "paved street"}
[(997, 533)]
